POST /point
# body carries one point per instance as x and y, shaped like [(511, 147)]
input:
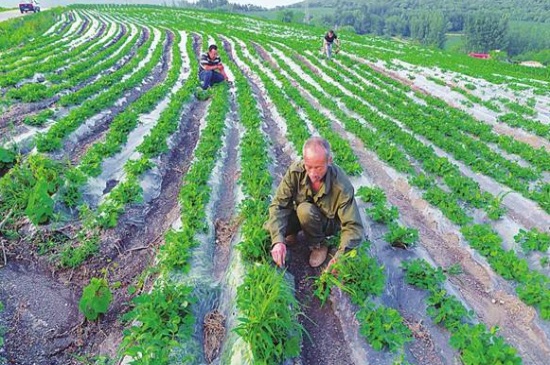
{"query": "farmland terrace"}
[(131, 210)]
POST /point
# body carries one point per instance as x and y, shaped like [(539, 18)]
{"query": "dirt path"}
[(212, 256), (5, 15)]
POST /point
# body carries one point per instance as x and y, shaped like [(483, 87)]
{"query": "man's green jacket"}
[(335, 200)]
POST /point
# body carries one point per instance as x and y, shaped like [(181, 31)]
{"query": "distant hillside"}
[(526, 10), (520, 28)]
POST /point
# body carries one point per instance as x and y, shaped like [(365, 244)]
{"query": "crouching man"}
[(315, 196), (211, 69)]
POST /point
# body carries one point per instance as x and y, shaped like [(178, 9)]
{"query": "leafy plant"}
[(164, 317), (137, 167), (477, 346), (381, 214), (400, 236), (422, 181), (533, 240), (421, 274), (95, 299), (446, 309), (273, 334), (358, 274), (383, 327), (7, 158), (39, 119), (494, 209), (74, 254), (371, 194), (40, 206)]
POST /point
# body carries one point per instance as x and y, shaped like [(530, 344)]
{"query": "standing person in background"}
[(211, 68), (330, 39)]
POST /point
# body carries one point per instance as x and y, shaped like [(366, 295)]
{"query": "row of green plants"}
[(125, 192), (70, 77), (517, 121), (397, 235), (438, 110), (343, 153), (491, 71), (153, 339), (113, 90), (288, 100), (26, 192), (297, 131), (515, 177), (137, 54), (489, 104), (382, 326), (533, 240), (515, 107), (362, 278), (427, 120), (503, 263), (272, 334), (440, 198), (501, 169), (126, 121), (45, 45), (35, 57), (56, 59), (378, 142), (532, 287), (154, 144), (77, 73), (476, 344), (462, 188), (359, 275)]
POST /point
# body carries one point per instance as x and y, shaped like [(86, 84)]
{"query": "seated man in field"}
[(315, 196), (211, 68)]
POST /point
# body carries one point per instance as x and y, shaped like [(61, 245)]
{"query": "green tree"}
[(429, 28), (396, 25), (486, 31), (286, 16)]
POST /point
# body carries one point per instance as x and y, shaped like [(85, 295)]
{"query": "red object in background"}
[(484, 56)]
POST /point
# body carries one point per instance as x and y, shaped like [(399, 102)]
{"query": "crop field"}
[(131, 211)]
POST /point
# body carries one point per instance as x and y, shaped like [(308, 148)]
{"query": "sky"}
[(49, 3)]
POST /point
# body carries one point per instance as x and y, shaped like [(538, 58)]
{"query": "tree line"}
[(483, 31)]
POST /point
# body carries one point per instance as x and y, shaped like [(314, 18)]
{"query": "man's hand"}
[(278, 252)]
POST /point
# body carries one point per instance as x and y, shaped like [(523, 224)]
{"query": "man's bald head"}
[(315, 145), (317, 158)]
